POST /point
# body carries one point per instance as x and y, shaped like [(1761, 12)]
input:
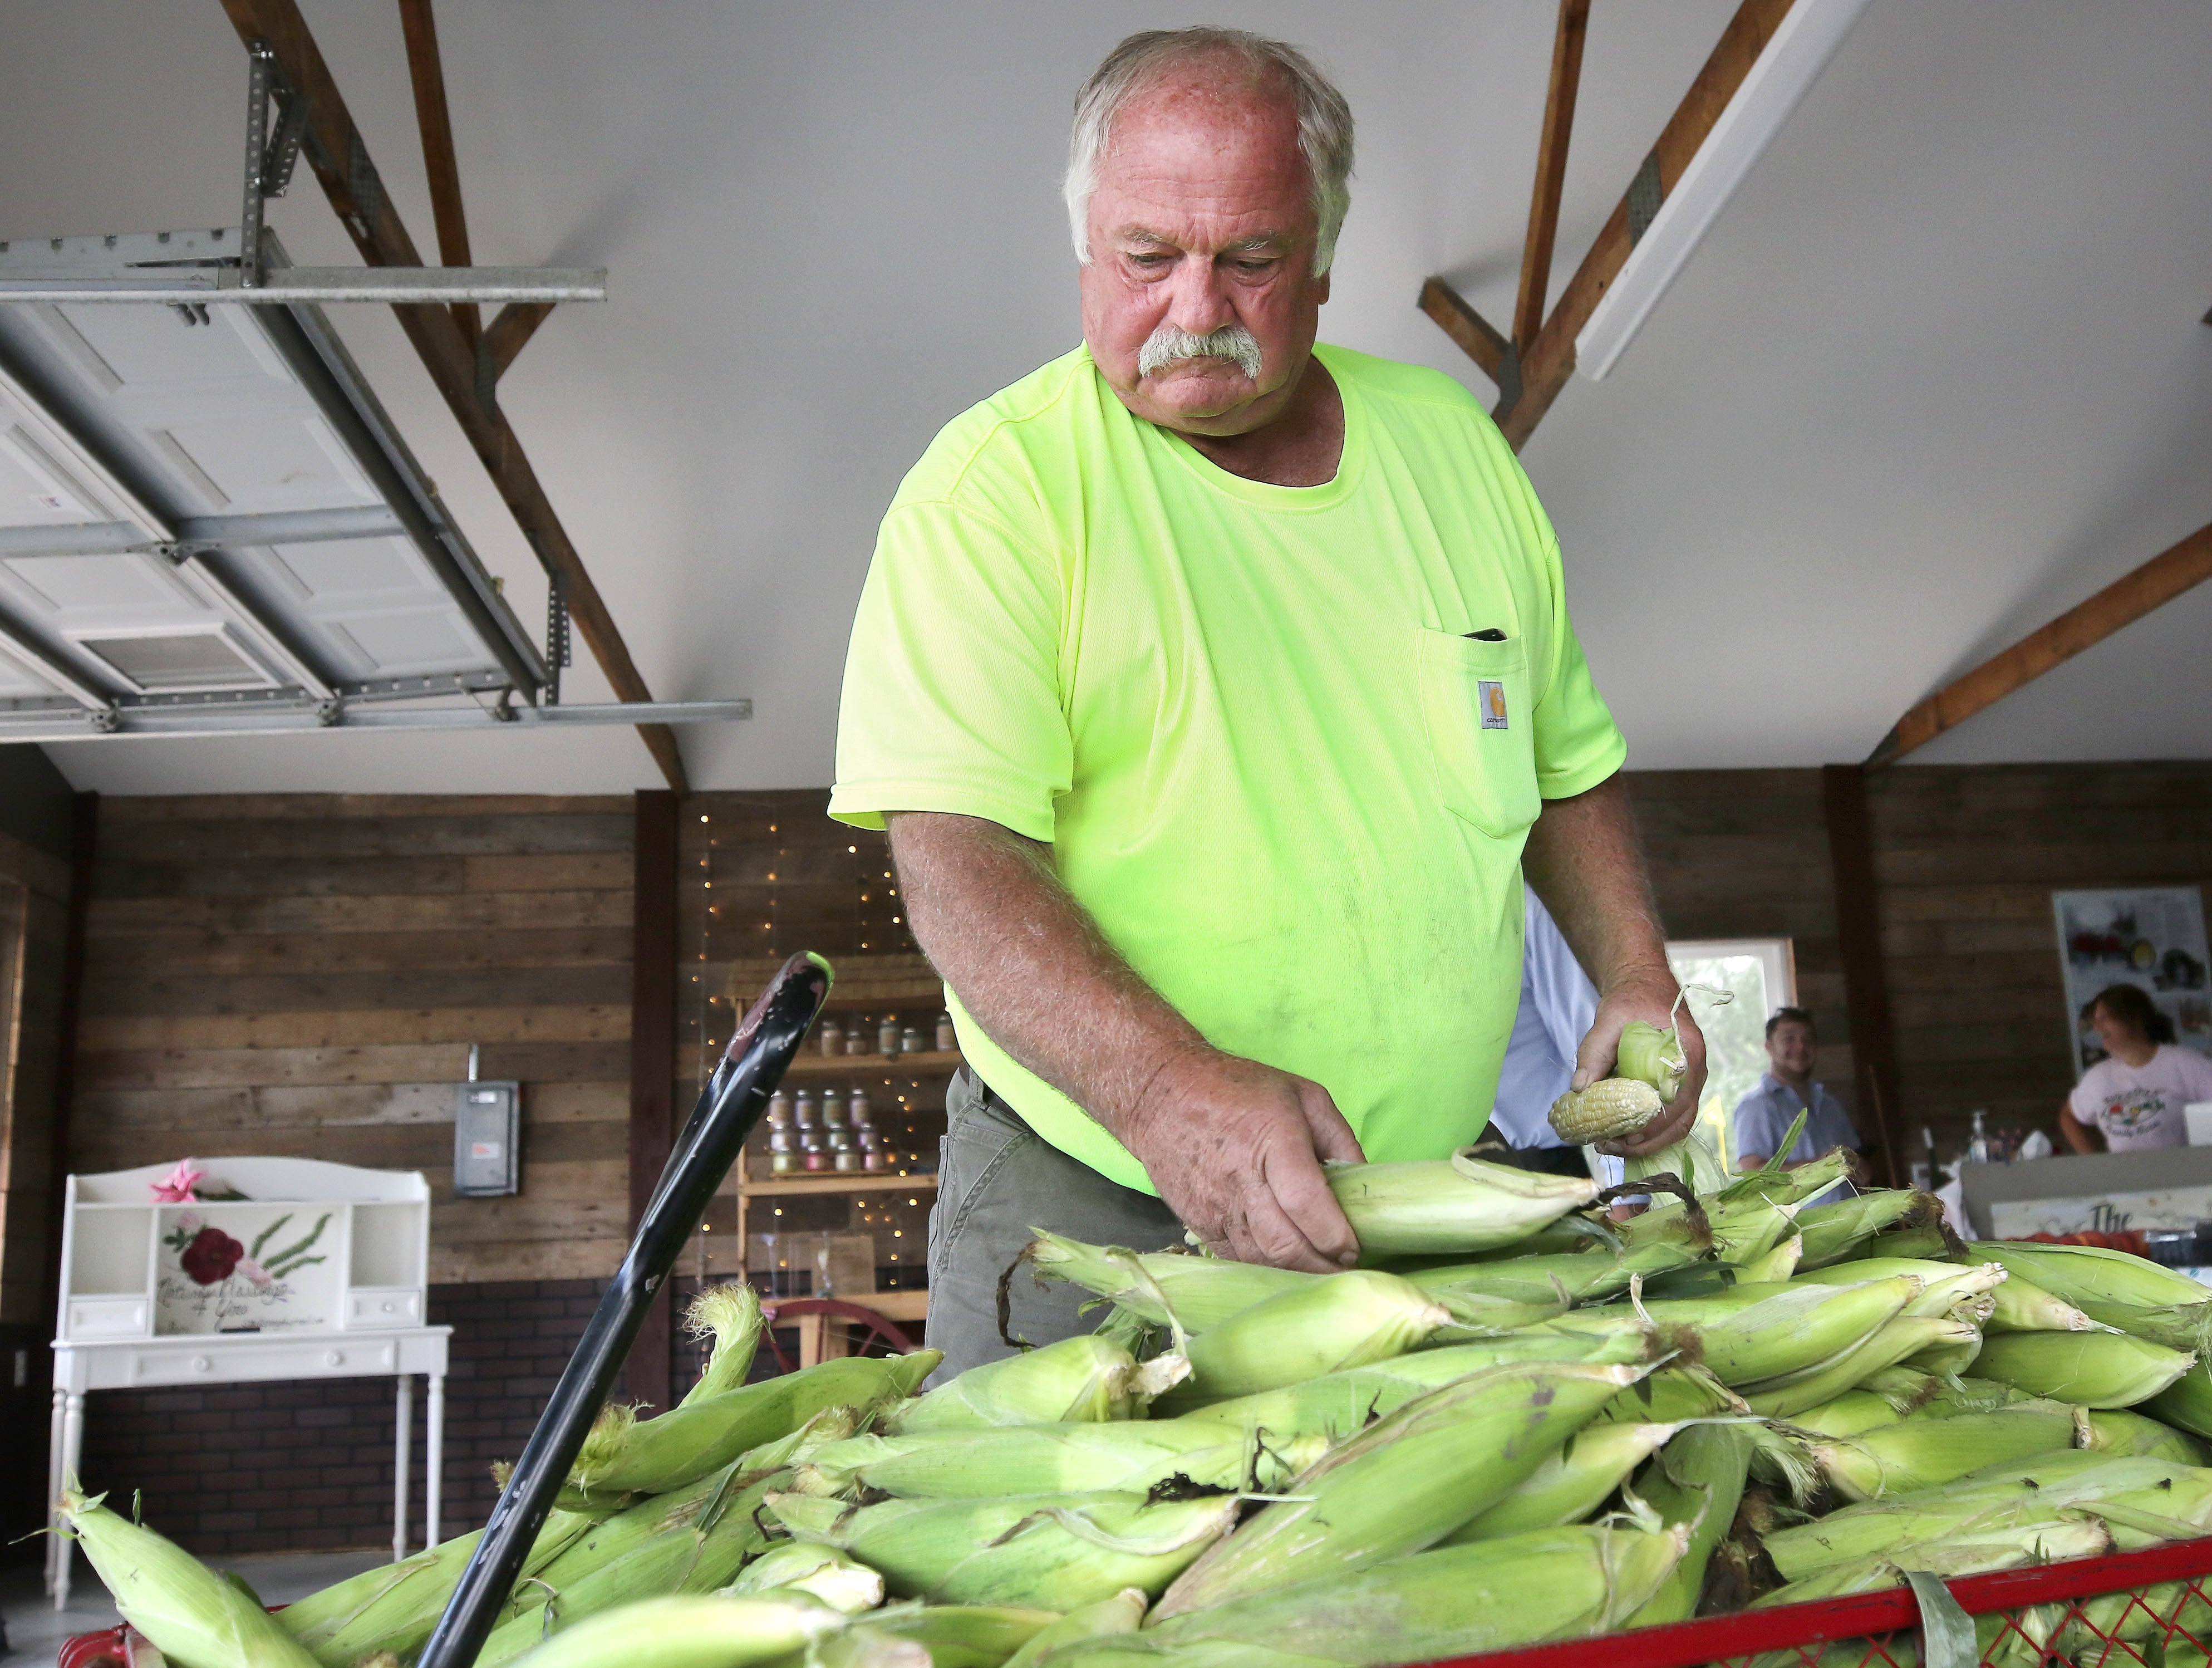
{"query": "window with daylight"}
[(1759, 975)]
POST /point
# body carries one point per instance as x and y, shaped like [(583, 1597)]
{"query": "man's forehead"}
[(1137, 235)]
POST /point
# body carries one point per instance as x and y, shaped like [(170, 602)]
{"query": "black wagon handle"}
[(760, 1049)]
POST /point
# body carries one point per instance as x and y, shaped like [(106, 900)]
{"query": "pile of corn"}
[(1526, 1421)]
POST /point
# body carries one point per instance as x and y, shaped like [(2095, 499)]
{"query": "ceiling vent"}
[(178, 660)]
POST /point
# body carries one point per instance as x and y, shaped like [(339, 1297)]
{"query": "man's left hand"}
[(1650, 997)]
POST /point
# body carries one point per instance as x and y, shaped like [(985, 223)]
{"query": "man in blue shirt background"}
[(1558, 1002), (1763, 1117)]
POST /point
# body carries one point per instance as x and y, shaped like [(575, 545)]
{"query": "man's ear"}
[(1321, 284)]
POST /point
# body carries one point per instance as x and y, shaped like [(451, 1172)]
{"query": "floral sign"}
[(211, 1281)]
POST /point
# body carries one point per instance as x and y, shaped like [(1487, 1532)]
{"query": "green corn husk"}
[(1651, 1056), (2000, 1497), (2115, 1430), (2090, 1274), (965, 1635), (2186, 1326), (731, 1315), (695, 1558), (2024, 1306), (1338, 1405), (1833, 1233), (1453, 1206), (1942, 1285), (1572, 1482), (820, 1572), (652, 1456), (1126, 1456), (2062, 1536), (1341, 1320), (1934, 1243), (1406, 1481), (1567, 1583), (2092, 1369), (1106, 1618), (1924, 1453), (1798, 1329), (1202, 1291), (1672, 1395), (1075, 1381), (190, 1614), (1747, 1219), (1847, 1415), (1044, 1551), (690, 1632), (394, 1608), (1694, 1483), (1777, 1265), (1907, 1338), (2186, 1403)]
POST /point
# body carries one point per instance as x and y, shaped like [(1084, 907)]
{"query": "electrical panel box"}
[(487, 1133)]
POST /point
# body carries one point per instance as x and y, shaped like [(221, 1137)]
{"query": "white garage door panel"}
[(79, 590), (148, 346), (418, 641), (387, 570), (270, 460)]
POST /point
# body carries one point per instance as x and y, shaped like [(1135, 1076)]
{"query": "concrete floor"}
[(36, 1629)]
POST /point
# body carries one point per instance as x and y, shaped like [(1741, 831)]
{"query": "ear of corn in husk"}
[(820, 1572), (1566, 1583), (1847, 1415), (1076, 1380), (2186, 1403), (394, 1608), (965, 1635), (1128, 1456), (1694, 1483), (1581, 1276), (694, 1558), (1796, 1329), (1608, 1109), (1573, 1482), (1924, 1453), (1341, 1320), (1107, 1617), (2080, 1274), (2185, 1326), (1455, 1205), (731, 1315), (2063, 1536), (1776, 1265), (655, 1455), (1340, 1404), (2115, 1430), (692, 1633), (190, 1614), (1835, 1231), (1673, 1395), (1202, 1291), (2091, 1369), (1045, 1551), (1405, 1482), (1942, 1285)]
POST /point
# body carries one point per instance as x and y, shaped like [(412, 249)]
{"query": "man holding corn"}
[(1216, 690)]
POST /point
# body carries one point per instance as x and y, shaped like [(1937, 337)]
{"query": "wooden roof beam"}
[(1551, 171), (335, 149), (439, 162), (2158, 581), (1477, 338)]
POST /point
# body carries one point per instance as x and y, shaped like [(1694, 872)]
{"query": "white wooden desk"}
[(245, 1358)]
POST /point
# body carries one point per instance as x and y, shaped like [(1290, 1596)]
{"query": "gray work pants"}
[(996, 1179)]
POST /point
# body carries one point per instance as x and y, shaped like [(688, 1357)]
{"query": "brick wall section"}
[(307, 1466)]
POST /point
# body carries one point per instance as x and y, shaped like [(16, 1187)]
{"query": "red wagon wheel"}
[(882, 1329)]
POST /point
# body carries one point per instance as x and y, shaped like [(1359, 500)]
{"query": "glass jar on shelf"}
[(948, 1039), (910, 1041), (887, 1036), (832, 1038)]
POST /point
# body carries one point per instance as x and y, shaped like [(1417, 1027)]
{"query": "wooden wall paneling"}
[(648, 1374), (1866, 989)]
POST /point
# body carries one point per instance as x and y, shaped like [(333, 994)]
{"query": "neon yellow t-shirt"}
[(1272, 758)]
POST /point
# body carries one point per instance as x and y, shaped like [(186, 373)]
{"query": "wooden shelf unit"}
[(850, 1181), (807, 1067)]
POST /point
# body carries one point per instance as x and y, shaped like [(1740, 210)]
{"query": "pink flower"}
[(188, 1222), (176, 1188), (254, 1272)]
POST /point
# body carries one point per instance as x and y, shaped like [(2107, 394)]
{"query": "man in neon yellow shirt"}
[(1217, 688)]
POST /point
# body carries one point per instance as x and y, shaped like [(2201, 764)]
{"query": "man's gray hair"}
[(1324, 119)]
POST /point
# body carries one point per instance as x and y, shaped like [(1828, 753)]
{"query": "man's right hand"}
[(1235, 1148)]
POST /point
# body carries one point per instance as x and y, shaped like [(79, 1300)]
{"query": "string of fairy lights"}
[(871, 1211)]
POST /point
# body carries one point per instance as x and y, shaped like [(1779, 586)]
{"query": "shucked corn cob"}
[(1607, 1109)]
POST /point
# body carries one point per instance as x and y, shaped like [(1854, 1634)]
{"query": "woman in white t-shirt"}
[(2134, 1097)]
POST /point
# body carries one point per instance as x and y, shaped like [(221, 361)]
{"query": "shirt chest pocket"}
[(1475, 706)]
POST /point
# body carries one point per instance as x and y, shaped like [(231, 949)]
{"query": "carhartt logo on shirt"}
[(1492, 696)]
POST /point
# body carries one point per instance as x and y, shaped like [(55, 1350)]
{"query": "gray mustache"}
[(1169, 345)]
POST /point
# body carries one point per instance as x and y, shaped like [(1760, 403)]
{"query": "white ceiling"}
[(1937, 372)]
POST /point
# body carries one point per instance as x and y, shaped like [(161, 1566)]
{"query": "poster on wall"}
[(2150, 937)]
